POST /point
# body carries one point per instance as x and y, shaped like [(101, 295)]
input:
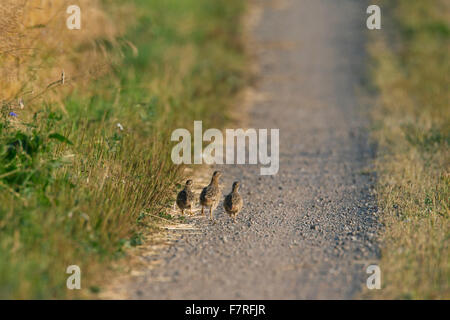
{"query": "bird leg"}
[(203, 213), (210, 213)]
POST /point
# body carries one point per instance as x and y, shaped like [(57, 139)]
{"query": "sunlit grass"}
[(412, 128), (82, 194)]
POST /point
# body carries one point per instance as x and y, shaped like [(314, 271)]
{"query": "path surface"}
[(308, 231)]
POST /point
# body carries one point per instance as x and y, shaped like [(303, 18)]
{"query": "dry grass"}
[(75, 188), (412, 128), (36, 45)]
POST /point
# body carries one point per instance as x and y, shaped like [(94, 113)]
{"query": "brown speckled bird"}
[(233, 202), (185, 198), (211, 194)]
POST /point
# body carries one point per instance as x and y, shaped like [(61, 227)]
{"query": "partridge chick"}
[(211, 194), (233, 202), (185, 198)]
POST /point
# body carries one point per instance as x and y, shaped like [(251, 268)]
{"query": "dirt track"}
[(309, 231)]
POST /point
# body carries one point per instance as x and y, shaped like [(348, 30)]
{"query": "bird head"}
[(216, 175), (189, 183), (236, 186)]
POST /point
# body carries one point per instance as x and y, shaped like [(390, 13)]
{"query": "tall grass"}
[(412, 128), (77, 187), (35, 45)]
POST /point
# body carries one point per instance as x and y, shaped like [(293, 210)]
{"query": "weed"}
[(80, 188), (412, 165)]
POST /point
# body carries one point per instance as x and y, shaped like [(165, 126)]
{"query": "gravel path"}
[(309, 231)]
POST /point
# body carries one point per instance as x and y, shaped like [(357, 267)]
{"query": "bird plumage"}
[(233, 202), (210, 195), (186, 197)]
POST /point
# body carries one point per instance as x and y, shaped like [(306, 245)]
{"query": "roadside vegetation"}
[(412, 128), (85, 164)]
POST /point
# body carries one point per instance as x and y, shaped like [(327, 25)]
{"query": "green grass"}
[(77, 190), (412, 128)]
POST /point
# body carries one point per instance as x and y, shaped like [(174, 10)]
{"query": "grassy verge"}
[(81, 176), (412, 128)]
